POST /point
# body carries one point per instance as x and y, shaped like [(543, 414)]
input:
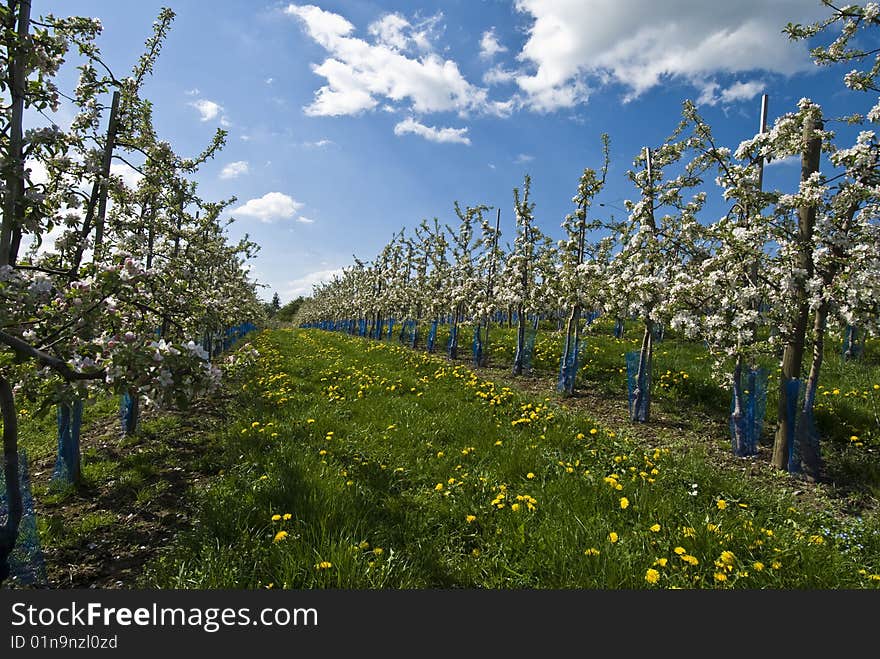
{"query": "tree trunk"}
[(9, 533), (736, 417), (793, 354), (811, 459), (12, 211)]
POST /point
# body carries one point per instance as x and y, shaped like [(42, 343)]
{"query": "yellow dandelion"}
[(276, 518), (680, 550), (721, 503), (661, 562), (613, 537), (530, 475), (438, 487), (470, 519), (323, 565), (624, 503), (655, 528), (758, 565), (592, 551), (652, 576), (286, 516), (720, 576), (281, 535)]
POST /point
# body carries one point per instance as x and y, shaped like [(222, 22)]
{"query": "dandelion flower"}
[(276, 518), (281, 535), (655, 528), (323, 565), (613, 537), (758, 565), (652, 576), (624, 503), (720, 576), (286, 516), (470, 519), (530, 475), (721, 503)]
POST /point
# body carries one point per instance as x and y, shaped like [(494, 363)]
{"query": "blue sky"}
[(351, 120)]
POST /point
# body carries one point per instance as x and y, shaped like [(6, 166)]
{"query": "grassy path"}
[(356, 464)]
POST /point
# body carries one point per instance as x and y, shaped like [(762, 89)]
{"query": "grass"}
[(352, 463)]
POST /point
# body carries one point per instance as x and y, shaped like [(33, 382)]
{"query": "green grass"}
[(391, 468)]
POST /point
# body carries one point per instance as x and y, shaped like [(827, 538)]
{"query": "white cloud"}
[(303, 285), (642, 43), (738, 91), (497, 75), (788, 160), (390, 30), (271, 206), (431, 133), (742, 91), (235, 169), (319, 144), (130, 176), (489, 45), (269, 81), (360, 75), (207, 109), (193, 92), (305, 220), (523, 158)]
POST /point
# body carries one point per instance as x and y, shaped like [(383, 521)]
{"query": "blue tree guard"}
[(67, 462), (528, 349), (27, 567), (390, 329), (452, 343), (853, 343), (618, 328), (568, 366), (129, 412), (754, 407), (638, 412), (792, 389), (477, 346), (591, 317), (432, 336), (233, 334)]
